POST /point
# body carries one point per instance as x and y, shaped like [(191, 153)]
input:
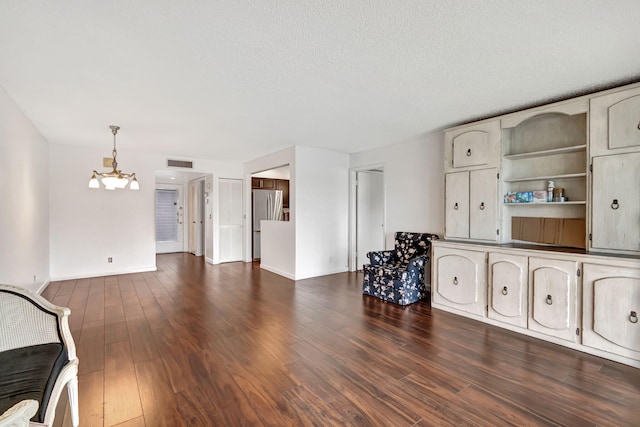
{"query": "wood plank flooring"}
[(233, 345)]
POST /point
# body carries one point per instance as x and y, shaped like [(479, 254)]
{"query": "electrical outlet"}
[(109, 260)]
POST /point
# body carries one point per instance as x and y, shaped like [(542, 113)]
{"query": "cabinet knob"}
[(455, 206), (638, 125), (505, 291), (469, 152), (482, 206), (549, 300), (633, 317), (455, 281), (615, 205)]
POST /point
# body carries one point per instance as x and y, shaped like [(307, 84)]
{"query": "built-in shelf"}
[(543, 153), (547, 177), (572, 202)]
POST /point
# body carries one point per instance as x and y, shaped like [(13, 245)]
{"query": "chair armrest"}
[(19, 414), (417, 263), (380, 257)]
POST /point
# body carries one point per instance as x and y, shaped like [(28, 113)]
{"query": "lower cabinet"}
[(459, 277), (587, 302), (507, 279), (611, 306), (553, 297)]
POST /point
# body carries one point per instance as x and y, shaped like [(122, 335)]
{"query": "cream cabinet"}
[(553, 297), (615, 122), (507, 281), (459, 280), (471, 204), (475, 145), (611, 306), (615, 212)]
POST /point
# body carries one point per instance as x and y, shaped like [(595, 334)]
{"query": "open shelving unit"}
[(548, 146)]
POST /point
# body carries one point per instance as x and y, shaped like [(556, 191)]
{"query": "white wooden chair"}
[(37, 359)]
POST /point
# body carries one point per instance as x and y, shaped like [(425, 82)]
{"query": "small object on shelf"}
[(550, 191), (539, 196), (558, 194), (518, 197)]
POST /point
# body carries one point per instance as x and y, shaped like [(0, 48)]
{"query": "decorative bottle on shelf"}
[(550, 191)]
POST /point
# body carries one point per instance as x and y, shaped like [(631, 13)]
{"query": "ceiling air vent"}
[(180, 164)]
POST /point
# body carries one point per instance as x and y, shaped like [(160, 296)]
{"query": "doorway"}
[(169, 219), (368, 214)]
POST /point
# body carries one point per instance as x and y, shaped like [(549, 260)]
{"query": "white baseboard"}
[(105, 273), (278, 271), (209, 260), (43, 286), (323, 273)]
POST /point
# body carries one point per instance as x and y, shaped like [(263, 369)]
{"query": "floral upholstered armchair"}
[(398, 275)]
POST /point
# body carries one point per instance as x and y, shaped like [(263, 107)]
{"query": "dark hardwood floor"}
[(201, 345)]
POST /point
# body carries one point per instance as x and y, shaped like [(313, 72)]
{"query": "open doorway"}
[(182, 205), (368, 214), (169, 218), (269, 202)]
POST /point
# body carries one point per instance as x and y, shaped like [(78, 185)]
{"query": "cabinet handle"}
[(549, 300), (455, 281), (482, 206), (505, 291), (615, 205), (638, 125), (469, 151), (455, 206), (633, 317)]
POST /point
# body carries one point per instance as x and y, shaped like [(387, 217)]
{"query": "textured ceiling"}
[(234, 80)]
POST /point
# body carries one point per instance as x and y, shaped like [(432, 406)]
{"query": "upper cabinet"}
[(615, 122), (588, 147), (615, 165), (472, 146)]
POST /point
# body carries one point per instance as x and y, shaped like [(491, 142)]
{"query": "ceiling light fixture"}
[(115, 178)]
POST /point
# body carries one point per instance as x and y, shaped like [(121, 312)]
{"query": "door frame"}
[(353, 212), (181, 204)]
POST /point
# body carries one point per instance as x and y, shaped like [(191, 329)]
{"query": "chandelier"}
[(115, 178)]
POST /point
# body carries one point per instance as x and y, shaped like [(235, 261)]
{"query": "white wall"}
[(24, 199), (87, 226), (414, 184), (278, 247), (322, 211)]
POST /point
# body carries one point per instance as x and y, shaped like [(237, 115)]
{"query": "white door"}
[(616, 202), (483, 195), (369, 215), (230, 220), (457, 204), (169, 219), (196, 228), (553, 297)]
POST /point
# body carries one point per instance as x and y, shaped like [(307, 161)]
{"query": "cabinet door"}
[(553, 297), (614, 122), (460, 280), (473, 145), (508, 288), (457, 205), (611, 306), (483, 195), (616, 202)]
